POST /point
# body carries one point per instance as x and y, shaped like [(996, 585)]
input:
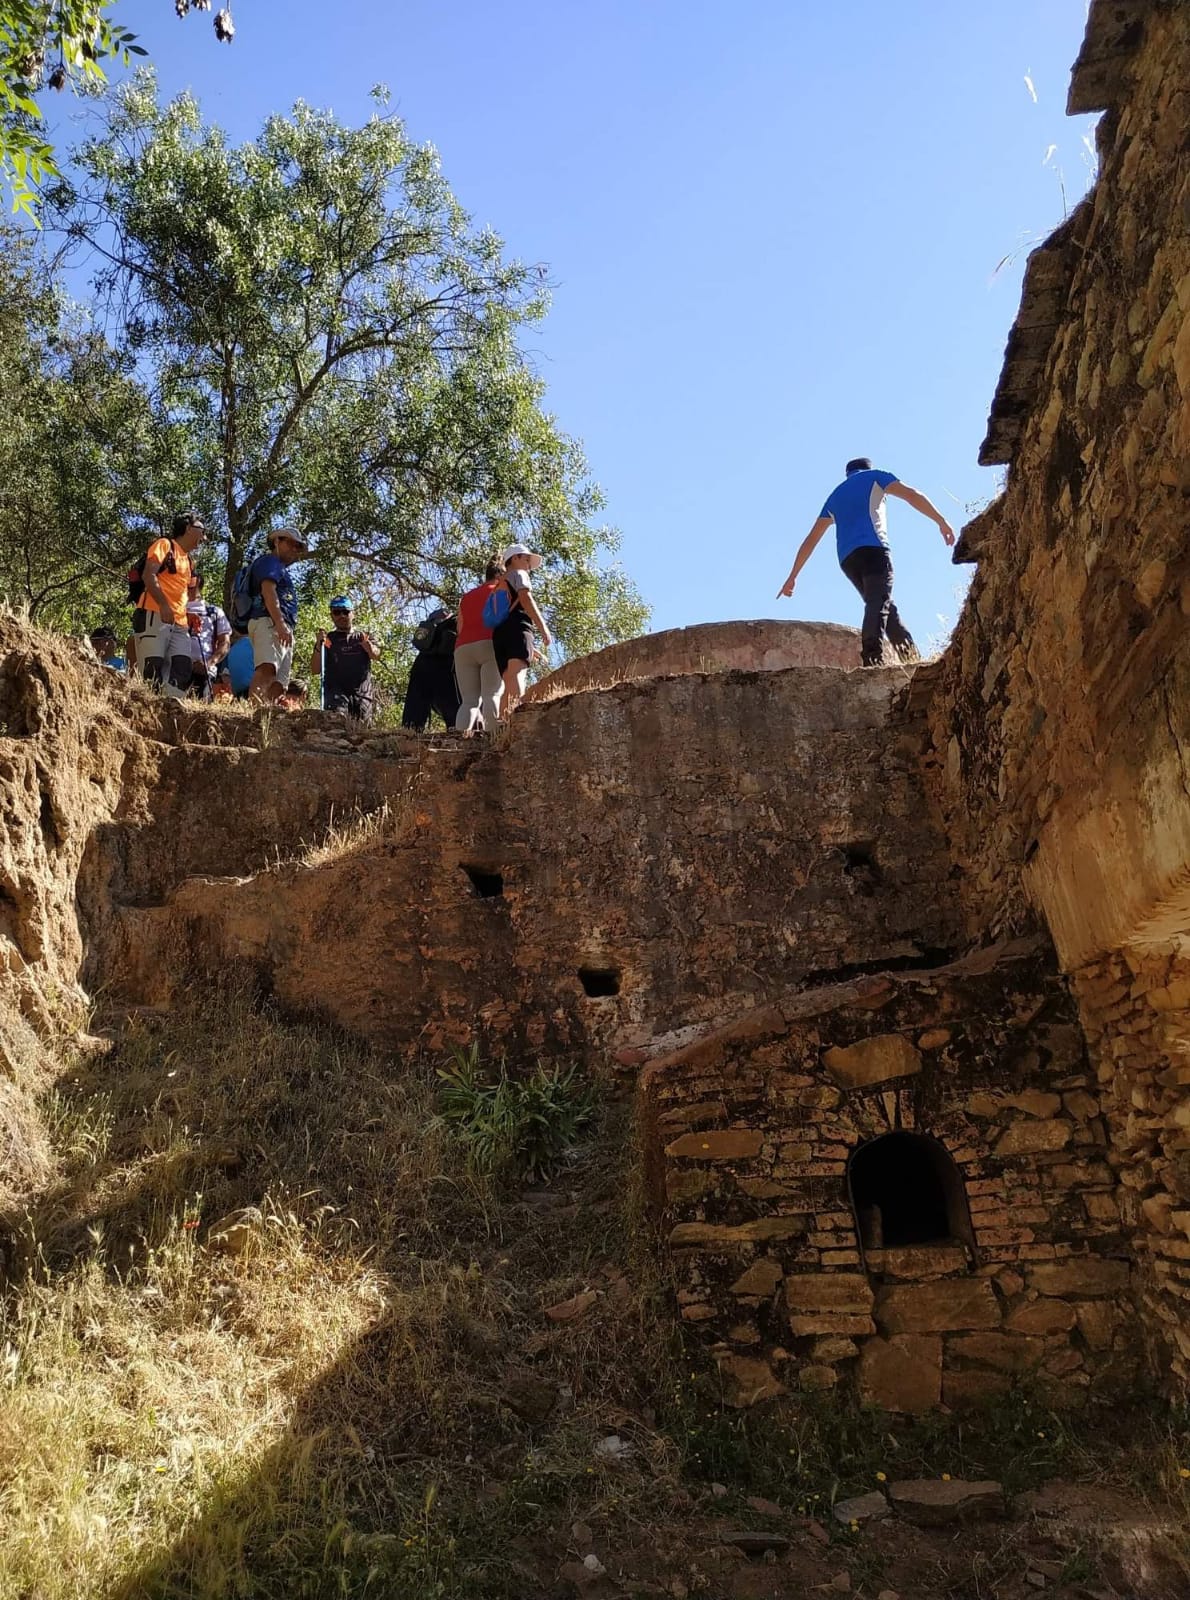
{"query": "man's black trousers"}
[(871, 571), (431, 688)]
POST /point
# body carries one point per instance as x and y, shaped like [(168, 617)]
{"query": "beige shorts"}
[(267, 652)]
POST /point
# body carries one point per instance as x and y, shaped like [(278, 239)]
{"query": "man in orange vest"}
[(163, 651)]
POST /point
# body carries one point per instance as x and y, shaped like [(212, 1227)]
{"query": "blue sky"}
[(773, 230)]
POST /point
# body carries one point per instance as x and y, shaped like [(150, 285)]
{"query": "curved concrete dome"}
[(755, 646)]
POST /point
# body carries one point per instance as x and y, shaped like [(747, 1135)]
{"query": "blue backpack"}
[(498, 606)]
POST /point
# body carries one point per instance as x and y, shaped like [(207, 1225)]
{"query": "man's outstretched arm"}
[(918, 501), (809, 544)]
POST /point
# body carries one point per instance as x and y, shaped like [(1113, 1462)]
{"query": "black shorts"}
[(353, 703), (513, 640)]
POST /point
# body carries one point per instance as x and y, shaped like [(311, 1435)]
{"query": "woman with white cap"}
[(513, 639)]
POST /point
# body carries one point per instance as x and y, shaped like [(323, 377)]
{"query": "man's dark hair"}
[(184, 520), (860, 464)]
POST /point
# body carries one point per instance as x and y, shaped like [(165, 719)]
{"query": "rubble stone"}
[(942, 1306), (935, 1502), (876, 1060), (902, 1373)]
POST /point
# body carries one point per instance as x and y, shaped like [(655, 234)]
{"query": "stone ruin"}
[(894, 962)]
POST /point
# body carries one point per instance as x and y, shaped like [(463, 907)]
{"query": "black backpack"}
[(436, 635), (136, 573), (243, 598)]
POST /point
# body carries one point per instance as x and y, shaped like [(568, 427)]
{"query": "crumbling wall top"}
[(757, 645), (1114, 30), (1099, 79)]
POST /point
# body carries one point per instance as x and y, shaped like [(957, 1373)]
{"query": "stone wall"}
[(750, 1135), (687, 845), (1134, 1009), (1060, 716), (757, 645)]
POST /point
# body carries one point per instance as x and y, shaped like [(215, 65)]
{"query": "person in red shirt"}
[(476, 671)]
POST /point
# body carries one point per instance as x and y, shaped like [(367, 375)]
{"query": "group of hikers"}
[(472, 664)]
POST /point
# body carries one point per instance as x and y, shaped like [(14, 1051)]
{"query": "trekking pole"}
[(202, 656), (322, 674)]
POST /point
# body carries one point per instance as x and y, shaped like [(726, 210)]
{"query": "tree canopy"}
[(86, 466), (56, 44), (303, 329), (317, 316)]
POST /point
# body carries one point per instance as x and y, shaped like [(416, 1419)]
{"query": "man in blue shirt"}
[(857, 510), (273, 615)]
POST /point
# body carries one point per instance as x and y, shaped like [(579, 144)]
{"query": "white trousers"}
[(479, 681), (165, 641)]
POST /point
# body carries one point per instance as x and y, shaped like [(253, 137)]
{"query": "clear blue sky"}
[(773, 228)]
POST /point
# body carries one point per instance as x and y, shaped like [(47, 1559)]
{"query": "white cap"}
[(522, 550)]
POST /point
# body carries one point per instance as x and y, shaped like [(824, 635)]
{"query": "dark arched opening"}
[(906, 1190)]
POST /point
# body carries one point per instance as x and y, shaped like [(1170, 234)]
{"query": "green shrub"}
[(515, 1126)]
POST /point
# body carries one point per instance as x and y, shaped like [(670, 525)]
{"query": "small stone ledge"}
[(1043, 302), (1099, 76)]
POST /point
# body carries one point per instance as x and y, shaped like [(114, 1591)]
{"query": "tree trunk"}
[(237, 549)]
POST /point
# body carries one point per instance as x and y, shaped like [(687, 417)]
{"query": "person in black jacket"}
[(343, 660), (432, 685)]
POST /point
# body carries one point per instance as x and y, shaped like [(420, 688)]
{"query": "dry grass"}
[(345, 838), (331, 1411), (175, 1420)]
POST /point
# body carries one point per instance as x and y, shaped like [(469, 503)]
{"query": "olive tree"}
[(341, 345)]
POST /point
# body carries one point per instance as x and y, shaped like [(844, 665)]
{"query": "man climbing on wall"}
[(856, 507)]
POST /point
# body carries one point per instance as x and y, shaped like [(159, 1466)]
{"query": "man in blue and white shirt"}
[(210, 639), (857, 510)]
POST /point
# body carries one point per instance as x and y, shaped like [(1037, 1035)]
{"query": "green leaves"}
[(57, 44), (87, 469), (513, 1126), (341, 346)]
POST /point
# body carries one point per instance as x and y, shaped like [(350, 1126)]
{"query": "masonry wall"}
[(750, 1132), (1060, 716), (1133, 1006), (1062, 708), (701, 841)]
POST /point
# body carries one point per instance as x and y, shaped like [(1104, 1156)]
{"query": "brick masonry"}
[(749, 1134)]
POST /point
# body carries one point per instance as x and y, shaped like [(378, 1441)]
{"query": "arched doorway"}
[(906, 1190)]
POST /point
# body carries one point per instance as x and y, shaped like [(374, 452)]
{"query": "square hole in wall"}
[(487, 884), (599, 982)]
